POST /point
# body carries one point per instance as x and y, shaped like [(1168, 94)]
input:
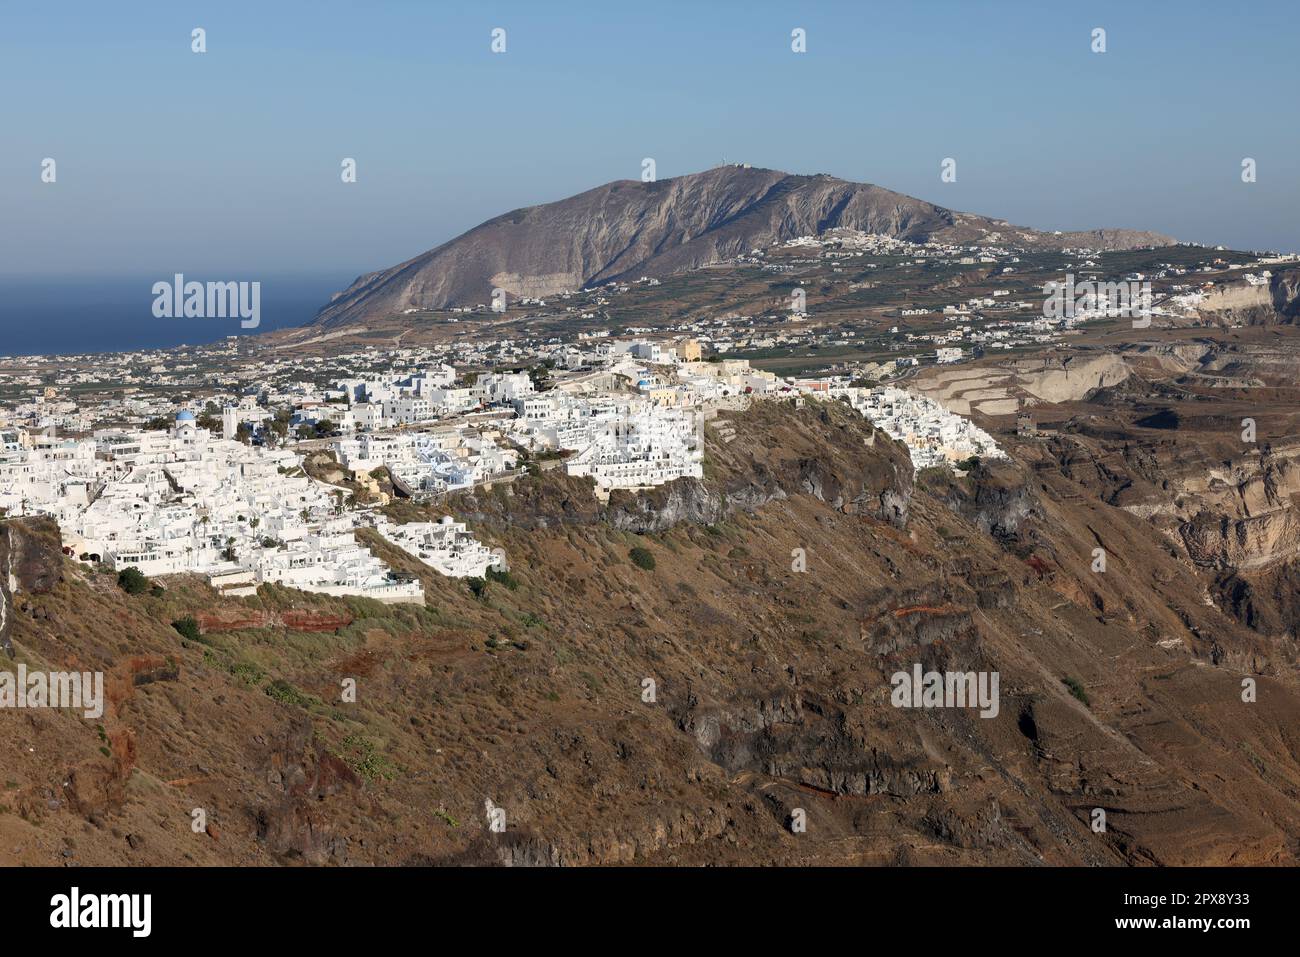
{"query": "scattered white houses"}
[(445, 546), (437, 460), (932, 434), (182, 500), (643, 446)]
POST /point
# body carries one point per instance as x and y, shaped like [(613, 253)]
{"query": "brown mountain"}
[(628, 229)]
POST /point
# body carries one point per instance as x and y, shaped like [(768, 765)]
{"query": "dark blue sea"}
[(72, 316)]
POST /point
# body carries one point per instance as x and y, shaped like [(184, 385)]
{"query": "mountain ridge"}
[(627, 229)]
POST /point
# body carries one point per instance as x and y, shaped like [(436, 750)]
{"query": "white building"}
[(446, 546), (184, 501)]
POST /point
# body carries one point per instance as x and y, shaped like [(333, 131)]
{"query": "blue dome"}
[(644, 383), (185, 416)]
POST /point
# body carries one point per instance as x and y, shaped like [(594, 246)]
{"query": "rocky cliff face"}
[(628, 229), (30, 562), (1284, 288), (1236, 303), (1247, 517), (1199, 444), (1220, 542)]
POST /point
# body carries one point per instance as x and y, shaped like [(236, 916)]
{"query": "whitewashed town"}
[(195, 459), (219, 488)]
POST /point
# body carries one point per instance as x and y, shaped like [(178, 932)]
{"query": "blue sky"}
[(227, 163)]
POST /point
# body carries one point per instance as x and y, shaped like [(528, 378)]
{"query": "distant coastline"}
[(49, 316)]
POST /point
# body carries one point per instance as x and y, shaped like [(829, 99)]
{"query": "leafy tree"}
[(541, 375), (132, 581), (187, 627)]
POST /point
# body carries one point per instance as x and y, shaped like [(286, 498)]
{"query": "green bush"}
[(132, 581), (285, 693), (365, 758), (478, 586), (642, 558), (187, 627), (247, 672), (505, 578), (1077, 689)]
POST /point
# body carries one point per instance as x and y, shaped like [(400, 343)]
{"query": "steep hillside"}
[(628, 229), (784, 591)]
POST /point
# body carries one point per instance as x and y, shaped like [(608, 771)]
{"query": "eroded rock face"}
[(1230, 506), (1285, 290), (806, 740), (1267, 601), (1238, 303), (658, 509), (996, 497), (228, 618), (551, 500), (30, 561), (824, 450), (1219, 541), (307, 777), (1247, 520)]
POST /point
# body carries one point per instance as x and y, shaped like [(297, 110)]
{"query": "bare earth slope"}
[(771, 685), (628, 229)]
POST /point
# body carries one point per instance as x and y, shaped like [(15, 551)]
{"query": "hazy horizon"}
[(73, 315)]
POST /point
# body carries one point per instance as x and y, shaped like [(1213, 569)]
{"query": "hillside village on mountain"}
[(190, 498), (219, 485)]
